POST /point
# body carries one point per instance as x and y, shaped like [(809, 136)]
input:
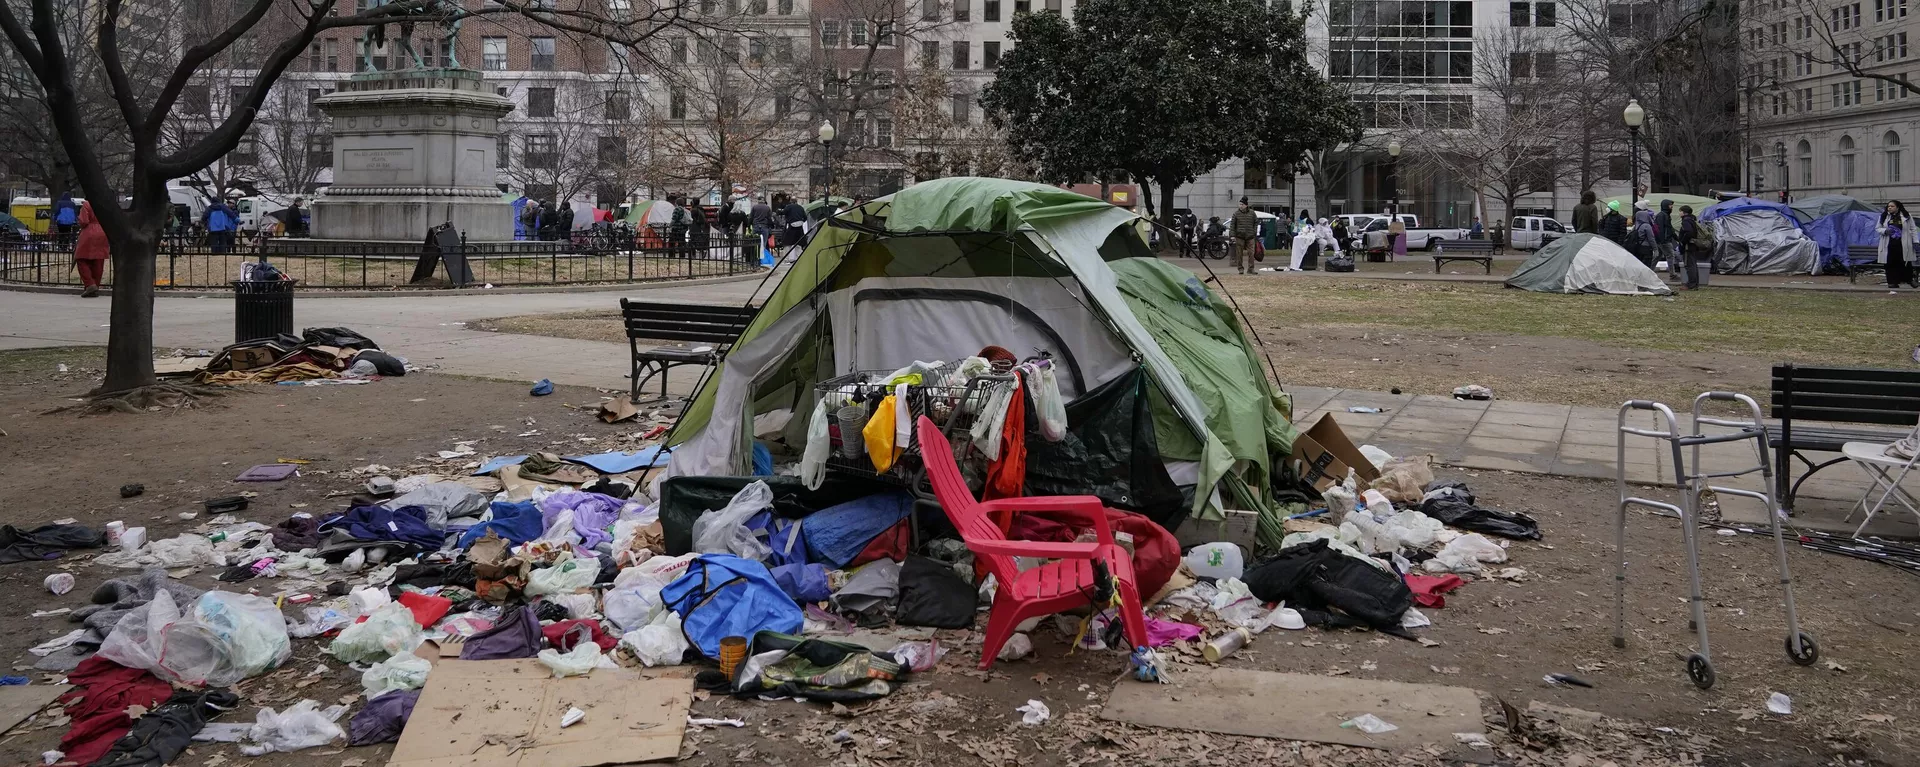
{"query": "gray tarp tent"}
[(1586, 263), (1757, 241)]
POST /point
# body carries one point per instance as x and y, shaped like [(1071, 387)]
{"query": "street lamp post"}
[(1786, 179), (1393, 177), (1634, 116), (826, 141)]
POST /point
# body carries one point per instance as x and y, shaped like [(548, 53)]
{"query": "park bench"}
[(1869, 253), (1452, 250), (1830, 396), (713, 327)]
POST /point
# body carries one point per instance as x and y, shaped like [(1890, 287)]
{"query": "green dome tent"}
[(940, 269), (1586, 263)]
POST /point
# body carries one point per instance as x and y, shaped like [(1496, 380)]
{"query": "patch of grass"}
[(1786, 325)]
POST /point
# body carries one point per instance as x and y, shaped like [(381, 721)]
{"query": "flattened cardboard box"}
[(1315, 464), (1328, 435), (506, 713)]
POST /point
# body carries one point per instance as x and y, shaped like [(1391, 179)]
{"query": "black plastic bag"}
[(932, 594), (1109, 452), (1453, 504), (344, 338)]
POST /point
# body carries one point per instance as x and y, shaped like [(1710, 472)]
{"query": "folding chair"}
[(1873, 459)]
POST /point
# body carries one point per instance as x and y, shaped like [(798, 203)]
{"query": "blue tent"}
[(519, 229), (1741, 204), (1835, 232)]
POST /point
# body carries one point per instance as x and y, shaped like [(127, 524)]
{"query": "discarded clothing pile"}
[(317, 354)]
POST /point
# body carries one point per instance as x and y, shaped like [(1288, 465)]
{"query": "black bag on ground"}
[(932, 594), (1314, 576), (1339, 264), (383, 363), (1453, 504), (342, 337)]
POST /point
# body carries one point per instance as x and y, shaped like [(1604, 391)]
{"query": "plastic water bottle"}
[(1216, 560)]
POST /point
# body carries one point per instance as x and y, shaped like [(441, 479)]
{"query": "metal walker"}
[(1801, 647)]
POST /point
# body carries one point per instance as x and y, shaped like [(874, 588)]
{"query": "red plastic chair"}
[(1042, 590)]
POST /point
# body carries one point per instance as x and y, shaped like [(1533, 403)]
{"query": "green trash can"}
[(1270, 232)]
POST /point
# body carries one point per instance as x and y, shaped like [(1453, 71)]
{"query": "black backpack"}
[(1340, 263)]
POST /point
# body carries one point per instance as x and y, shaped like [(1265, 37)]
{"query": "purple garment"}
[(517, 635), (593, 513), (382, 719), (407, 524)]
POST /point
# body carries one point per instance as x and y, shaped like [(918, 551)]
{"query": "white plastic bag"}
[(919, 656), (813, 461), (659, 643), (1464, 555), (580, 606), (389, 631), (576, 662), (404, 671), (725, 531), (302, 725), (631, 602), (1414, 529), (564, 578), (1050, 408), (223, 639), (992, 419), (1341, 500)]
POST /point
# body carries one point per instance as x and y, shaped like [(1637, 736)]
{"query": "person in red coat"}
[(91, 253)]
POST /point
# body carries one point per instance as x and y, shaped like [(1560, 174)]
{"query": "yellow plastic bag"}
[(879, 435)]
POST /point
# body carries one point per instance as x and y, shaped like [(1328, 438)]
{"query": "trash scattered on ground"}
[(1369, 724), (1473, 392), (1034, 713), (1779, 703)]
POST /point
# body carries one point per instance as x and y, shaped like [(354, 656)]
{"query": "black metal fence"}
[(606, 255)]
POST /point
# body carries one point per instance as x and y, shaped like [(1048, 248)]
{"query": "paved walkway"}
[(433, 331)]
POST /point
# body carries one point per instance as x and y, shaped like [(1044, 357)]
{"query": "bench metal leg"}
[(1812, 468)]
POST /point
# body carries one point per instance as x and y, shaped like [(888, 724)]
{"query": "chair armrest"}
[(1084, 508), (1035, 549)]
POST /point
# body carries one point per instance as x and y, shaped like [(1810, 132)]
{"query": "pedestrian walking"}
[(1397, 233), (1586, 215), (1613, 226), (66, 215), (91, 252), (1896, 244), (1476, 231), (1684, 238), (1642, 232), (681, 221), (1245, 229), (796, 229), (221, 223), (698, 233), (1664, 243), (1499, 236)]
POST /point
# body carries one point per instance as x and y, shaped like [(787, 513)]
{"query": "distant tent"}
[(1753, 236), (1820, 206), (1586, 263), (1744, 204), (1834, 222)]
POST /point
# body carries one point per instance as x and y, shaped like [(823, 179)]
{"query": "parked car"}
[(1531, 232), (1418, 237)]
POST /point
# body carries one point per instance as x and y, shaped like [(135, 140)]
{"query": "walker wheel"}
[(1700, 670), (1809, 650)]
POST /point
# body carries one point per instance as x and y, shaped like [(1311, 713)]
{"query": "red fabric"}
[(426, 610), (98, 707), (564, 636), (891, 544), (1156, 553), (1427, 589), (1007, 477), (93, 239), (91, 271)]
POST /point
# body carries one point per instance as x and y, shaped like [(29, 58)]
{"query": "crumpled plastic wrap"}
[(301, 725)]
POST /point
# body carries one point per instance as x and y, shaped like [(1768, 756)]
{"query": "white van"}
[(1531, 232)]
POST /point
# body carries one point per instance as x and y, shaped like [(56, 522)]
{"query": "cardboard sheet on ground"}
[(506, 713), (1298, 707), (22, 701)]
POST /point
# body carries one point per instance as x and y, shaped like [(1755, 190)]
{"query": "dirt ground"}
[(1496, 637)]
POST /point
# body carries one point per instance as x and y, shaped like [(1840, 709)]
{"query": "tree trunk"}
[(130, 341), (1167, 185)]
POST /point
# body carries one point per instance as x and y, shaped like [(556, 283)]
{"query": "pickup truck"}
[(1418, 237)]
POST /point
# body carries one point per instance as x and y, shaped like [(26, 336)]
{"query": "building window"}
[(1519, 66), (539, 102), (782, 104), (493, 54), (1022, 7), (1545, 15), (990, 55), (314, 59), (962, 54), (757, 7), (783, 50), (613, 151), (886, 36), (785, 7), (929, 53), (756, 51), (1053, 5), (1806, 100), (1254, 176), (1844, 17), (829, 33), (1415, 110), (542, 53), (1434, 45), (992, 11), (502, 150), (619, 105), (313, 107), (856, 33), (330, 48), (962, 109), (1520, 14), (320, 151), (1888, 10), (246, 153), (929, 10), (1847, 157), (883, 133), (677, 103), (540, 152), (193, 99), (1805, 150), (962, 10), (677, 50), (1892, 142)]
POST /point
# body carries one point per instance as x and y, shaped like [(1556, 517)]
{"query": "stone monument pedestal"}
[(413, 149)]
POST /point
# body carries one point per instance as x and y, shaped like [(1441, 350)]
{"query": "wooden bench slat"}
[(718, 326), (1800, 374)]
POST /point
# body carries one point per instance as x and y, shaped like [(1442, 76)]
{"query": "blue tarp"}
[(722, 595), (1835, 232), (621, 463), (1739, 204), (516, 522), (836, 534)]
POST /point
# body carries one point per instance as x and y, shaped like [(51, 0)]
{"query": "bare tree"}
[(1675, 58), (33, 150), (731, 119), (1838, 36), (275, 33), (853, 76), (295, 141), (559, 142), (931, 143)]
